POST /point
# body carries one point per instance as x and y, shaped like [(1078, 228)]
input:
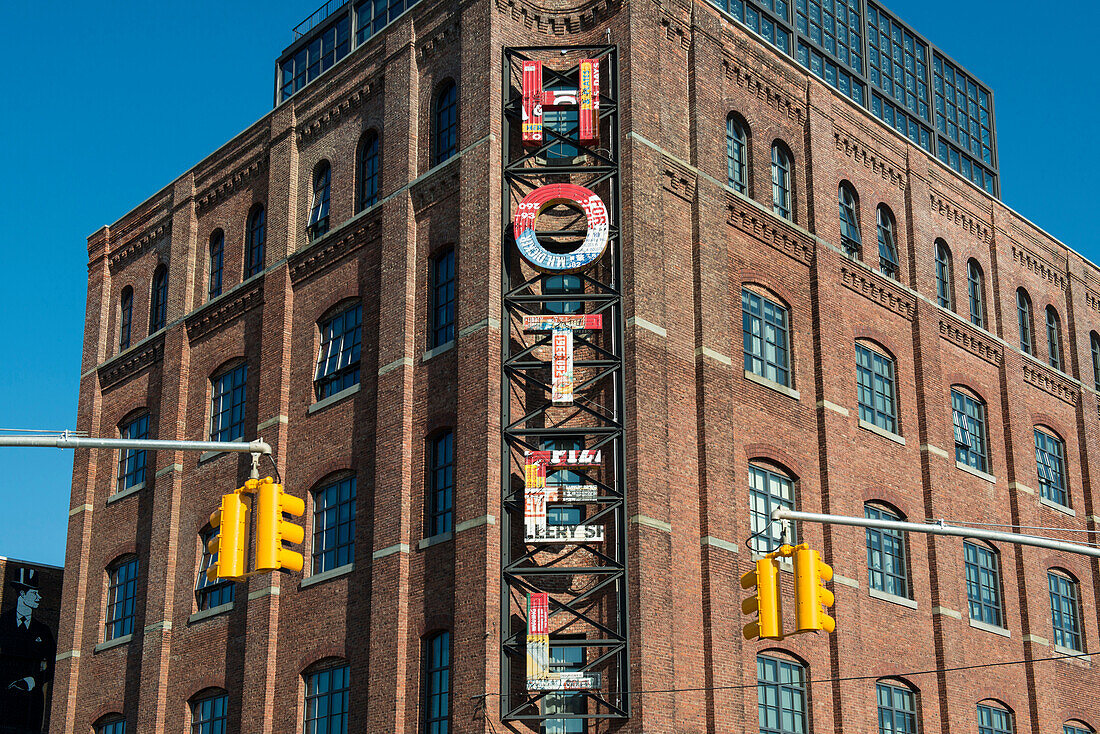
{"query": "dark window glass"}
[(897, 66), (1054, 338), (781, 696), (227, 404), (897, 709), (217, 253), (945, 291), (327, 700), (886, 565), (257, 236), (835, 27), (563, 121), (1065, 613), (126, 317), (111, 725), (563, 514), (445, 144), (1076, 729), (875, 388), (737, 162), (994, 720), (976, 291), (372, 16), (210, 594), (338, 361), (887, 244), (158, 310), (367, 173), (334, 525), (833, 73), (1094, 338), (564, 659), (437, 684), (131, 462), (443, 299), (767, 490), (209, 714), (850, 239), (964, 115), (766, 337), (1050, 453), (765, 23), (1023, 316), (317, 56), (781, 182), (554, 285), (121, 593), (318, 210), (971, 436), (441, 483), (983, 584)]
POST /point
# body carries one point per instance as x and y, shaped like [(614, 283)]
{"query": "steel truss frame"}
[(596, 417)]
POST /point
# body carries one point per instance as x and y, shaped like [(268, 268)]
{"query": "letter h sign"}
[(586, 99)]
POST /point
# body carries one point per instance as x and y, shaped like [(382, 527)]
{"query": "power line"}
[(1020, 527)]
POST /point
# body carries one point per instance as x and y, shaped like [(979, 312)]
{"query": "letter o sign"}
[(535, 203)]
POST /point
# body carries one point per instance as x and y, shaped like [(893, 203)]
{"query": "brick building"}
[(824, 306)]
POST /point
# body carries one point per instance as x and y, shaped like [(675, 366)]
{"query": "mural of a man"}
[(27, 652)]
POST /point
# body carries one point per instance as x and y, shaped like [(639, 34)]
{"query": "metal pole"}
[(937, 528), (73, 442)]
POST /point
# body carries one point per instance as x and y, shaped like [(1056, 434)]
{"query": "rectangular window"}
[(565, 659), (443, 299), (372, 16), (1050, 455), (326, 706), (983, 584), (441, 483), (121, 592), (886, 555), (875, 388), (897, 710), (131, 462), (766, 337), (210, 594), (968, 416), (227, 405), (767, 490), (334, 525), (317, 56), (1065, 612), (437, 684), (781, 696), (338, 361)]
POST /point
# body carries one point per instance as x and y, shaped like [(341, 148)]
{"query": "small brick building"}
[(821, 312)]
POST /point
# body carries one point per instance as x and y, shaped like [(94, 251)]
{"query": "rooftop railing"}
[(318, 16)]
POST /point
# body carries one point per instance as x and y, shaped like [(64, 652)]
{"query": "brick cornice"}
[(557, 22), (677, 179), (970, 339), (224, 310), (959, 216), (1049, 381), (751, 82), (866, 156), (130, 363), (436, 187), (769, 230), (333, 113), (219, 190), (139, 243), (1030, 260), (878, 290), (333, 249)]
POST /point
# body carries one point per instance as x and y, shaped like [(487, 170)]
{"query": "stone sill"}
[(1057, 507), (328, 575), (436, 351), (889, 435), (782, 389), (892, 598), (434, 540), (117, 642), (211, 612), (331, 399), (976, 472), (125, 493), (1077, 655), (990, 628)]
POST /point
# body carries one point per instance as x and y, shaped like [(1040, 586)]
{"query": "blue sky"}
[(129, 95)]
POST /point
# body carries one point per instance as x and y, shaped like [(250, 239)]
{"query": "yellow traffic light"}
[(272, 530), (231, 541), (810, 594), (766, 604)]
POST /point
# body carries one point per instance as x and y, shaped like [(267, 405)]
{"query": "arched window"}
[(850, 238), (131, 462), (442, 327), (993, 718), (210, 712), (769, 488), (121, 596), (1054, 338), (945, 278), (971, 431), (125, 317), (887, 243), (1065, 610), (737, 159), (217, 262), (1023, 316), (227, 403), (781, 181), (897, 707), (367, 172), (876, 390), (338, 360), (257, 237), (765, 328), (975, 288), (111, 724), (554, 285), (158, 309), (436, 705), (334, 524), (886, 556), (210, 594), (1077, 727), (781, 695), (983, 583), (1094, 339), (445, 120), (326, 706), (1050, 457), (318, 209), (441, 482)]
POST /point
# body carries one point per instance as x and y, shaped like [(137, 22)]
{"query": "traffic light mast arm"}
[(66, 440), (938, 528)]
